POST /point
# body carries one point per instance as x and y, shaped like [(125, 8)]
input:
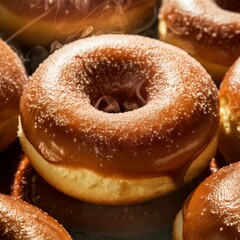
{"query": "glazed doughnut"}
[(213, 210), (124, 220), (119, 118), (12, 80), (229, 130), (44, 21), (205, 29), (20, 220)]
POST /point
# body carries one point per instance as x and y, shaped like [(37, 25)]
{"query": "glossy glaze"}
[(213, 210)]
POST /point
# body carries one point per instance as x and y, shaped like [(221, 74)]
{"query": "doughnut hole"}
[(120, 87), (230, 5)]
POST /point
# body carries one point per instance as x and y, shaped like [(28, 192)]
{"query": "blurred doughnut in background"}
[(13, 78), (40, 22), (208, 30), (229, 131)]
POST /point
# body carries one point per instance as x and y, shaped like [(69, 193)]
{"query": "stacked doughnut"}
[(20, 220), (119, 119), (229, 131), (213, 209), (119, 221), (12, 80), (44, 21), (206, 29)]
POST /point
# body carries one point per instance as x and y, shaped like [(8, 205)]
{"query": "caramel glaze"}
[(126, 220), (229, 92), (60, 10), (163, 137), (213, 210), (12, 79), (20, 220), (204, 25)]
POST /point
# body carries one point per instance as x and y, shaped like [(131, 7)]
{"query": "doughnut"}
[(119, 221), (20, 220), (229, 130), (12, 80), (119, 119), (213, 209), (44, 21), (208, 30)]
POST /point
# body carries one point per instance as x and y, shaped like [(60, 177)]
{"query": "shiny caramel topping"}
[(20, 220), (213, 210), (164, 136)]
